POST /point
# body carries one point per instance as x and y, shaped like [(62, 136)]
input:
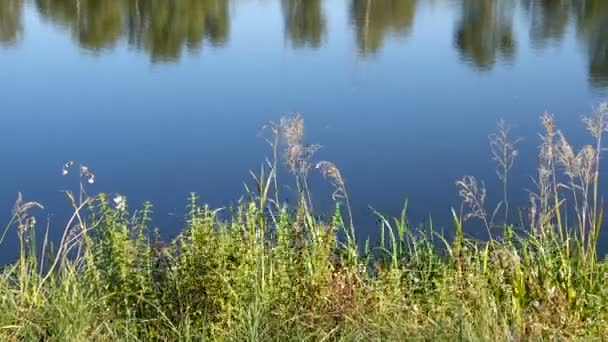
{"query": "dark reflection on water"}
[(549, 21), (485, 33), (592, 22), (161, 28), (375, 19), (305, 23), (11, 15), (549, 24)]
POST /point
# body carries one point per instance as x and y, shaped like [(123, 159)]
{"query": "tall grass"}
[(262, 270)]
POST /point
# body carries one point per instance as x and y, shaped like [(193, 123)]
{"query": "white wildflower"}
[(120, 202)]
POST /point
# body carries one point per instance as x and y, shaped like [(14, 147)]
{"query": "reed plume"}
[(545, 202), (473, 195), (331, 172), (597, 125), (579, 176), (504, 151), (298, 155)]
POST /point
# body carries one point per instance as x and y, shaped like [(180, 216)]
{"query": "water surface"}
[(164, 98)]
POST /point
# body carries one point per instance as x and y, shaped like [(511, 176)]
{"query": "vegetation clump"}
[(262, 270)]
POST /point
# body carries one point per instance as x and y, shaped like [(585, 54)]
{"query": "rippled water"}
[(163, 98)]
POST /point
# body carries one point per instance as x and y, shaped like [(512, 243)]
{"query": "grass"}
[(261, 270)]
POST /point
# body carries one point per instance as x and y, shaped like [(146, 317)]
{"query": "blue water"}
[(160, 99)]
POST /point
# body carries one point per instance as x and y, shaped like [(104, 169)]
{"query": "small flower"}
[(66, 168), (120, 202), (86, 173)]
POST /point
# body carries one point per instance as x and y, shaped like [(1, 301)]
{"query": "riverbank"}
[(261, 270)]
